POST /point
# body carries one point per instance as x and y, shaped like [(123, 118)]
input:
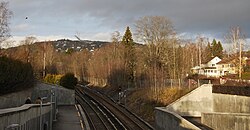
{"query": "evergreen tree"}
[(208, 52), (217, 49), (129, 57)]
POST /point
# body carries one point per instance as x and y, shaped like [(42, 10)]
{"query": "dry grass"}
[(143, 101)]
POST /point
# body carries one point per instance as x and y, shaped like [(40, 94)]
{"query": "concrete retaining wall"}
[(63, 96), (231, 103), (15, 99), (226, 121), (27, 117), (194, 103), (166, 120)]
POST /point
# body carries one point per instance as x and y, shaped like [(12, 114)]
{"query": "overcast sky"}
[(97, 19)]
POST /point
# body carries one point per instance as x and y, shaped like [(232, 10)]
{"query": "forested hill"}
[(63, 45)]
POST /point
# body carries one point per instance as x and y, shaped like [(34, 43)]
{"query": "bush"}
[(14, 75), (68, 81), (53, 79), (246, 75)]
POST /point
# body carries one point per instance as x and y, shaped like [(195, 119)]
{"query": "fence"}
[(27, 117), (159, 83)]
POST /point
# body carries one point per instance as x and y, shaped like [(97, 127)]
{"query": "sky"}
[(98, 19)]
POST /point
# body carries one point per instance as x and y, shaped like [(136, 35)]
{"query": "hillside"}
[(63, 45)]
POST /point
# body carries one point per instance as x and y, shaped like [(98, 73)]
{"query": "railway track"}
[(121, 118), (98, 116)]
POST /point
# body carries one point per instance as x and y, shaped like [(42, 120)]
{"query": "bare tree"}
[(5, 15), (159, 35), (27, 43), (116, 37), (236, 38), (153, 29)]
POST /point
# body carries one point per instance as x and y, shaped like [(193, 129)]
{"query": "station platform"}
[(67, 119)]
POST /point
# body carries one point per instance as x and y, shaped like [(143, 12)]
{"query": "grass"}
[(143, 101)]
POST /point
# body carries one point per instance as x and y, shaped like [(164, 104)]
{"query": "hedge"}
[(68, 81), (15, 75)]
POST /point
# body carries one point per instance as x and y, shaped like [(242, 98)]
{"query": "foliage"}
[(68, 81), (121, 62), (237, 88), (246, 68), (14, 75), (69, 51), (161, 51), (246, 75), (129, 56), (208, 52), (213, 49), (216, 48), (116, 78), (142, 102), (53, 79)]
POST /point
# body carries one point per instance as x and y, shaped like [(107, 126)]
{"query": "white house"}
[(215, 68)]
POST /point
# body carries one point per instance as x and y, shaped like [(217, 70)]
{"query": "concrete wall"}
[(167, 120), (231, 103), (63, 96), (26, 116), (226, 121), (14, 99), (194, 103), (231, 112)]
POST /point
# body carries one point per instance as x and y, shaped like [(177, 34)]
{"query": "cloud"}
[(65, 17), (20, 27)]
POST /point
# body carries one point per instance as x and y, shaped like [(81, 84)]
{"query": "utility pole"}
[(200, 44), (240, 67), (44, 61)]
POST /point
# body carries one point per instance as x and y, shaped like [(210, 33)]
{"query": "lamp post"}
[(51, 112), (41, 105)]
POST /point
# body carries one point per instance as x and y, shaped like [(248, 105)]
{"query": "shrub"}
[(49, 78), (53, 79), (246, 75), (68, 81), (57, 79), (14, 75)]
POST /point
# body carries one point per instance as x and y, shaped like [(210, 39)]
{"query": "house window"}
[(213, 64), (222, 66), (215, 71), (208, 71), (211, 71)]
